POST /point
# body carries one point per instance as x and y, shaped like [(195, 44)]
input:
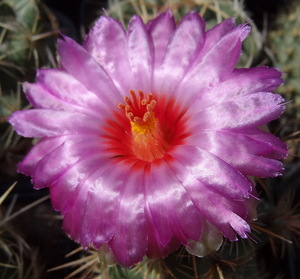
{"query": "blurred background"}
[(31, 239)]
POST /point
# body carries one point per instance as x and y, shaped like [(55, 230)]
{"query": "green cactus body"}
[(27, 37), (28, 34), (284, 43)]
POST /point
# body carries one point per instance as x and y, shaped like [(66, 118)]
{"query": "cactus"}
[(284, 41), (17, 259), (28, 32)]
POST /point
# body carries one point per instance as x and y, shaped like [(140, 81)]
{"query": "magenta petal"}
[(242, 82), (63, 188), (279, 150), (40, 150), (160, 36), (107, 38), (52, 92), (205, 198), (260, 79), (93, 198), (257, 109), (229, 182), (140, 53), (164, 192), (179, 57), (52, 166), (49, 123), (82, 66), (216, 33), (248, 155), (129, 242), (211, 68), (155, 249)]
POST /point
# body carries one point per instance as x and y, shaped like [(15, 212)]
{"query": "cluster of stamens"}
[(148, 142), (139, 110)]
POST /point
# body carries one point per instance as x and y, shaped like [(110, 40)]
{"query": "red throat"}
[(148, 141)]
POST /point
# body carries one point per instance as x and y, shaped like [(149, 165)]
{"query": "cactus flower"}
[(150, 137)]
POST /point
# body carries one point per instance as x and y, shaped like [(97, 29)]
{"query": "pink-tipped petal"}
[(164, 192), (229, 182), (155, 249), (257, 109), (52, 166), (216, 33), (205, 197), (93, 222), (248, 155), (161, 36), (82, 66), (140, 54), (179, 57), (279, 148), (211, 68), (39, 151), (48, 123), (52, 91), (81, 171), (241, 82), (129, 242), (107, 38)]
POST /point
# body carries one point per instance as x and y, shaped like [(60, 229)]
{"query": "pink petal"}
[(161, 36), (212, 68), (249, 156), (63, 188), (179, 56), (279, 147), (241, 82), (155, 249), (82, 66), (262, 79), (52, 166), (92, 208), (129, 242), (241, 112), (57, 90), (106, 39), (163, 193), (216, 33), (48, 123), (40, 150), (218, 208), (229, 182), (140, 53)]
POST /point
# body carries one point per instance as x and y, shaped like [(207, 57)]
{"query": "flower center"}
[(148, 141)]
